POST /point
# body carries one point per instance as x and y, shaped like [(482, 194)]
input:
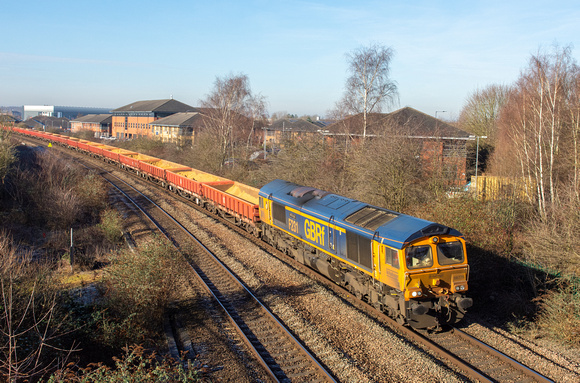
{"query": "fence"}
[(493, 188)]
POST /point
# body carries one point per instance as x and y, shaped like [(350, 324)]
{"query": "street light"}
[(439, 111)]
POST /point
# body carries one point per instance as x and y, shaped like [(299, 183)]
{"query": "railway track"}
[(282, 355), (479, 360), (476, 361)]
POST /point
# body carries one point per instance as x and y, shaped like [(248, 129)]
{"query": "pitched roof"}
[(422, 124), (293, 125), (164, 106), (184, 119), (408, 120), (47, 121), (6, 118), (354, 124), (323, 123), (95, 118)]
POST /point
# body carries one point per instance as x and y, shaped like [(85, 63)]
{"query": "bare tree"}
[(369, 86), (481, 111), (231, 110), (382, 173), (29, 326), (575, 142), (537, 124)]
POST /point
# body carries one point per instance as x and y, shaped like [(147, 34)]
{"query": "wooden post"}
[(71, 251)]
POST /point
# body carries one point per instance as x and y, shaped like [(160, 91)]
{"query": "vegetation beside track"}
[(99, 319)]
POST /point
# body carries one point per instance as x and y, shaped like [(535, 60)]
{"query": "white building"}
[(70, 112)]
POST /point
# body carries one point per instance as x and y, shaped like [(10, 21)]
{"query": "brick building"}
[(292, 129), (440, 143), (179, 128), (101, 124), (133, 120)]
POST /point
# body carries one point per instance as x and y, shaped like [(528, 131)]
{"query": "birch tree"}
[(575, 126), (539, 124), (231, 109), (369, 87)]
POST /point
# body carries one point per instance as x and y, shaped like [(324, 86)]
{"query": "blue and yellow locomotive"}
[(414, 270)]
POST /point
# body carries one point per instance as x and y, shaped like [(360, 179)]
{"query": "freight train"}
[(414, 270)]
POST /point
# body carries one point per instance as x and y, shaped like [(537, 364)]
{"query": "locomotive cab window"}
[(449, 253), (419, 256)]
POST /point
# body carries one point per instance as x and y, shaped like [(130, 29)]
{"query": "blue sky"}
[(111, 53)]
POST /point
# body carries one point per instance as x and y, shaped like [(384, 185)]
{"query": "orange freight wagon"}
[(234, 198)]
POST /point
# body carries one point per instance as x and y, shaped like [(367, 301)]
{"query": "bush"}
[(7, 154), (494, 226), (30, 322), (92, 193), (141, 284), (111, 225), (560, 313), (552, 243), (56, 193), (134, 366)]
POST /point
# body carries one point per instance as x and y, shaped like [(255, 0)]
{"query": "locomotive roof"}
[(392, 228)]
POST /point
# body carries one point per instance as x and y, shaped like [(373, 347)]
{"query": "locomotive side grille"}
[(279, 212), (359, 249)]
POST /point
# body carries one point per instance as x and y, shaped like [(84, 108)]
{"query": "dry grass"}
[(559, 315), (553, 243), (79, 278)]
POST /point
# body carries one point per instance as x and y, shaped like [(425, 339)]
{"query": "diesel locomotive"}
[(414, 270)]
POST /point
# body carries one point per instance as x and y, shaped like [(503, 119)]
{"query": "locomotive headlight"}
[(434, 239), (415, 292)]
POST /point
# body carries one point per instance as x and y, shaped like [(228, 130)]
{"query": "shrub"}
[(57, 193), (7, 155), (552, 242), (560, 313), (31, 324), (92, 192), (493, 226), (141, 285), (134, 366), (111, 225)]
